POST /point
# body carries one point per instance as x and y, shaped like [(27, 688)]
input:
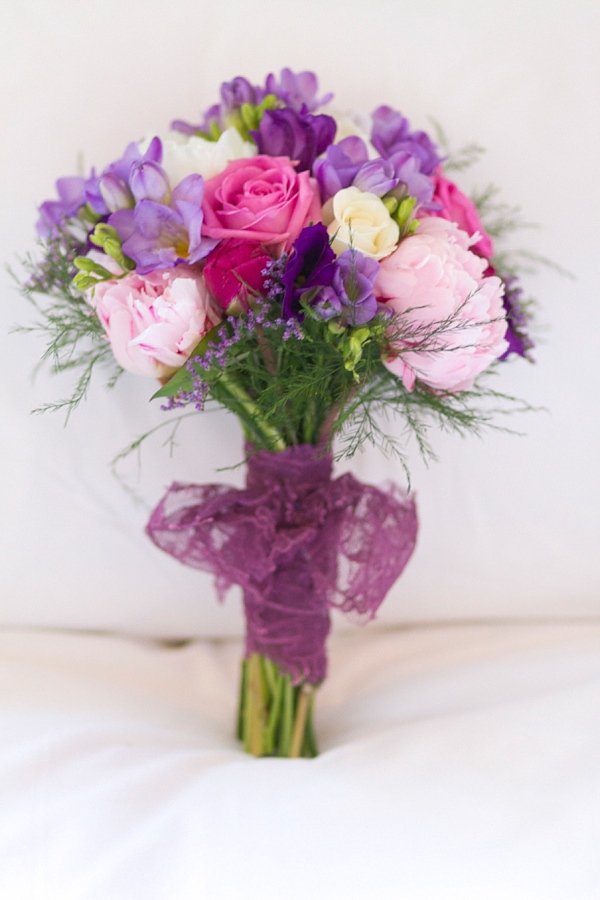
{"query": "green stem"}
[(273, 720), (302, 707), (248, 404), (274, 716)]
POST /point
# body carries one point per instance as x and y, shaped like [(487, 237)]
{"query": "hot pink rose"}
[(262, 199), (154, 321), (433, 277), (233, 270), (458, 208)]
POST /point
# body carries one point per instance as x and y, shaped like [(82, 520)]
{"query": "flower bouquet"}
[(307, 270)]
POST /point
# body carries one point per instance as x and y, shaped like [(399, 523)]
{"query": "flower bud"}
[(115, 193), (148, 181)]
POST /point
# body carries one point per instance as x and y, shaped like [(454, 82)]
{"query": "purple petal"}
[(376, 177), (148, 181), (190, 190)]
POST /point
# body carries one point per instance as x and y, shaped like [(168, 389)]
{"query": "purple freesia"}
[(54, 213), (340, 165), (238, 91), (297, 91), (155, 235), (117, 175), (299, 136), (311, 264), (115, 193), (234, 94), (391, 134), (350, 294), (148, 181), (377, 176)]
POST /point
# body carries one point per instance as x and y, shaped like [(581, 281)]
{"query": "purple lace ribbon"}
[(297, 542)]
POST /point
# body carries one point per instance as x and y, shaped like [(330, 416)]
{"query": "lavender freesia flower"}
[(391, 133), (350, 294), (155, 235), (310, 265), (115, 192), (299, 92), (234, 94), (148, 181), (238, 91), (377, 176), (53, 213), (118, 174), (341, 164), (299, 136)]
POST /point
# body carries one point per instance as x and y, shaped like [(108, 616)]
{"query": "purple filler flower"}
[(350, 294), (391, 133), (299, 136), (155, 235), (311, 264)]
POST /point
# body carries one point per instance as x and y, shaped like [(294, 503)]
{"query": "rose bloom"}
[(154, 321), (458, 208), (262, 199), (233, 270), (432, 276), (359, 219)]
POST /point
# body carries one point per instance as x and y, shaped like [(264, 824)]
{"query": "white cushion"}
[(457, 763)]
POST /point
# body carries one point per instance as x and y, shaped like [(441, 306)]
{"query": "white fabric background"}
[(457, 763), (509, 525)]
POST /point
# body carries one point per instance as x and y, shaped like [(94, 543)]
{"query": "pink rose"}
[(262, 199), (433, 276), (459, 209), (154, 321), (233, 270)]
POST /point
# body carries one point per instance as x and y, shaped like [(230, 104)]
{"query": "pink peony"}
[(232, 271), (154, 321), (432, 276), (262, 199), (456, 207)]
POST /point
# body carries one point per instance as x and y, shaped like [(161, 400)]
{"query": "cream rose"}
[(360, 219)]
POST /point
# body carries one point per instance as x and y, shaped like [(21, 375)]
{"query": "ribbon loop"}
[(297, 542)]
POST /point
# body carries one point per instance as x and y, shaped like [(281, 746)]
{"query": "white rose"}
[(184, 155), (360, 219)]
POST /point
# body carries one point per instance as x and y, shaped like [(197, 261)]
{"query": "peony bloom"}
[(457, 207), (262, 199), (433, 276), (153, 322), (356, 218), (233, 271)]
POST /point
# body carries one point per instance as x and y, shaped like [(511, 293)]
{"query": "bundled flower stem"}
[(275, 717)]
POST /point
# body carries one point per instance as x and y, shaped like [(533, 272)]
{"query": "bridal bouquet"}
[(308, 270)]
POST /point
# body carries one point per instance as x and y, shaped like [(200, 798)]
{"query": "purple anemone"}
[(311, 264)]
